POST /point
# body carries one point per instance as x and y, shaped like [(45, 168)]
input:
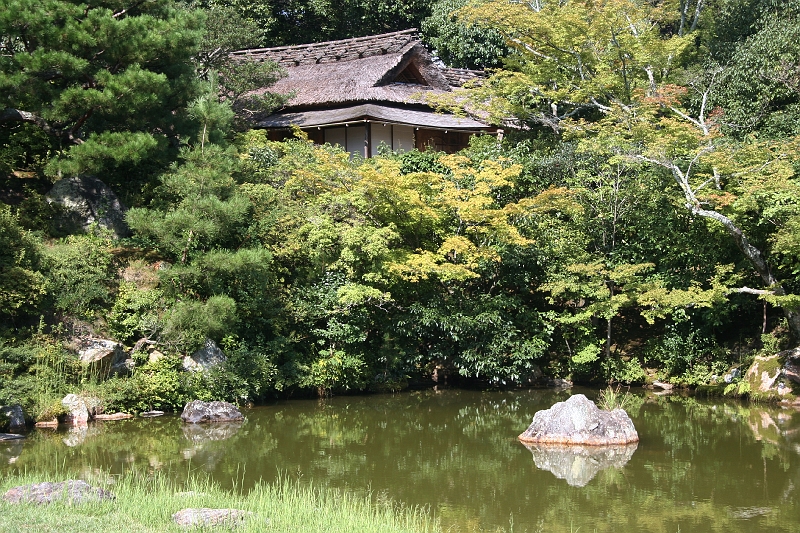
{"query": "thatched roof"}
[(397, 42), (457, 77), (371, 113), (393, 67)]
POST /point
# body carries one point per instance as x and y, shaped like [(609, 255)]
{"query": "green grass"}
[(611, 398), (146, 504)]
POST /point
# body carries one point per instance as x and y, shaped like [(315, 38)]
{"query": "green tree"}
[(576, 59), (759, 87), (104, 80), (460, 44), (288, 22)]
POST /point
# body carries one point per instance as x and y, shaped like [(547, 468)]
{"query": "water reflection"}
[(10, 450), (578, 465), (700, 466), (211, 432)]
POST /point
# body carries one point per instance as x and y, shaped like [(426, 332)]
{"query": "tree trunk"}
[(753, 255)]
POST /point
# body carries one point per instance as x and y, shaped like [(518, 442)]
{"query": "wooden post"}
[(368, 139)]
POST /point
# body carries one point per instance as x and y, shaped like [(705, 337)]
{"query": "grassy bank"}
[(146, 504)]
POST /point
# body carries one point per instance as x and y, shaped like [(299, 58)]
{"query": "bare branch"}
[(10, 114), (748, 290), (17, 115)]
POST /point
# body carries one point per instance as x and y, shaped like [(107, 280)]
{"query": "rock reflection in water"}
[(579, 464), (206, 446), (215, 431), (10, 450)]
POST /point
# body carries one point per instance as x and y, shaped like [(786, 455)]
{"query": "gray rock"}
[(105, 355), (197, 412), (86, 200), (662, 385), (578, 465), (205, 358), (210, 517), (79, 408), (71, 491), (558, 383), (12, 417), (154, 356), (791, 365), (579, 421)]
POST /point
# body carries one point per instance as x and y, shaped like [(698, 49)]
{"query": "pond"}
[(700, 465)]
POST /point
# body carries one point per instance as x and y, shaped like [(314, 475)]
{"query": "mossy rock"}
[(774, 377)]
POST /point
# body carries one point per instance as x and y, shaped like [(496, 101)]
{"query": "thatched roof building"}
[(365, 91)]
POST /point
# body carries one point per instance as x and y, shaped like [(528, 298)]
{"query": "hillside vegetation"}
[(639, 219)]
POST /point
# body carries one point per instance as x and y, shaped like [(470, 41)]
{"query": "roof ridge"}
[(307, 46)]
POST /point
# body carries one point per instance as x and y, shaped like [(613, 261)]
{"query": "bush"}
[(135, 313), (158, 385), (190, 323), (21, 284), (80, 275)]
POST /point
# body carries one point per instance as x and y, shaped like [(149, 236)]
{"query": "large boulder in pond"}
[(12, 418), (579, 421), (197, 412), (86, 200)]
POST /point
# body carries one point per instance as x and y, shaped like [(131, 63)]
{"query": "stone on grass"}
[(198, 411), (12, 417), (576, 464), (210, 517), (72, 491), (579, 421)]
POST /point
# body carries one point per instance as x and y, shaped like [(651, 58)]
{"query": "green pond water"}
[(700, 466)]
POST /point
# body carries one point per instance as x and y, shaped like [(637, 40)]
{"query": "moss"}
[(710, 391), (771, 365)]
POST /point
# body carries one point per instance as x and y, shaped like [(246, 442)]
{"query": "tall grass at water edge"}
[(612, 398), (147, 503)]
